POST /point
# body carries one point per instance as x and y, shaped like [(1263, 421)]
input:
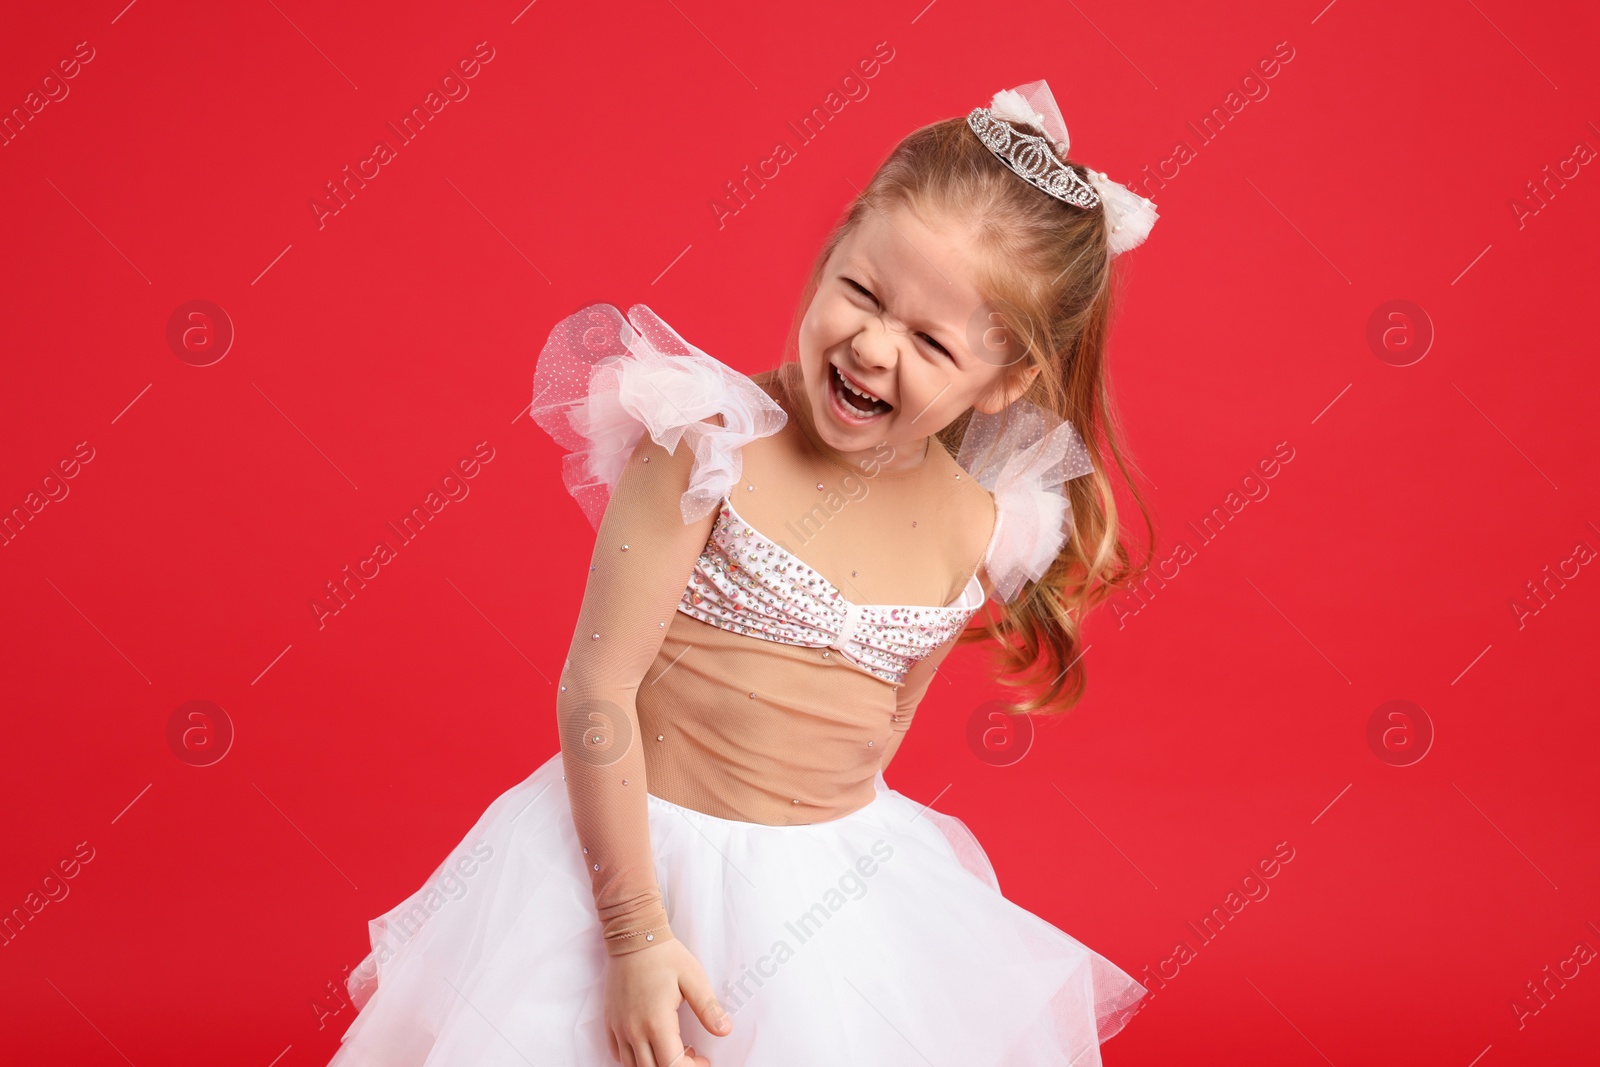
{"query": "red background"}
[(1229, 714)]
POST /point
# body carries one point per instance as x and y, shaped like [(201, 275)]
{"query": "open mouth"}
[(853, 402)]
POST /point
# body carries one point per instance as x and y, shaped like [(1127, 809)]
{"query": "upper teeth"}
[(848, 384)]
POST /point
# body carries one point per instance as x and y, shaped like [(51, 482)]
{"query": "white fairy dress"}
[(752, 649)]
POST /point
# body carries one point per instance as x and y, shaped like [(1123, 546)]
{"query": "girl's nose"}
[(875, 346)]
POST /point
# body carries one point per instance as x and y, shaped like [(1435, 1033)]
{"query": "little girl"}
[(713, 869)]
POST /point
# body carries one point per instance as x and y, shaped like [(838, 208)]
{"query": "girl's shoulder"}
[(968, 514), (602, 382)]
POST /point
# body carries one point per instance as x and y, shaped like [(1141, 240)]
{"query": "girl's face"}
[(898, 342)]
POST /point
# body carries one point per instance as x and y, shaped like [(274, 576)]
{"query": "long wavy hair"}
[(1049, 273)]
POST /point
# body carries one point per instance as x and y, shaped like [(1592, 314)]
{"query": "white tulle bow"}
[(1129, 215), (1024, 456), (603, 382)]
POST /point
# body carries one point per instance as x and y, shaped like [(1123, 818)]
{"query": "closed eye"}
[(858, 287), (866, 293)]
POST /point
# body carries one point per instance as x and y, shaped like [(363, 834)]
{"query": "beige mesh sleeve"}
[(643, 556)]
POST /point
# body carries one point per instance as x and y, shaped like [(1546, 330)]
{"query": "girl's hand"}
[(643, 991)]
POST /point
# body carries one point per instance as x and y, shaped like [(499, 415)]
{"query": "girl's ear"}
[(1008, 390)]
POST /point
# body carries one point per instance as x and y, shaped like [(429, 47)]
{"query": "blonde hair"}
[(1048, 273)]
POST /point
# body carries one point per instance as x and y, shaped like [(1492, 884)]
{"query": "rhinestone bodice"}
[(746, 583)]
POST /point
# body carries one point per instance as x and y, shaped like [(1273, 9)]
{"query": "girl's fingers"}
[(662, 1050)]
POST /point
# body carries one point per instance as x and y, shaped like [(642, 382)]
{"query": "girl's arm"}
[(643, 555), (910, 694)]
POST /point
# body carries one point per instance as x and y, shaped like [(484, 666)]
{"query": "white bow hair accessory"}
[(1024, 456), (1129, 215)]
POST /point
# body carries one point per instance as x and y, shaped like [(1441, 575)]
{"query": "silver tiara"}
[(1038, 160), (1033, 157)]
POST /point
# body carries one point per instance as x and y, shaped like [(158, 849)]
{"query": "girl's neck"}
[(883, 459)]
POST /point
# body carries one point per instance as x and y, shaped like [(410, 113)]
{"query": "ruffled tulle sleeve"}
[(1024, 456), (603, 381)]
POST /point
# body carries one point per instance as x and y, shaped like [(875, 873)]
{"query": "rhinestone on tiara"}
[(1034, 158)]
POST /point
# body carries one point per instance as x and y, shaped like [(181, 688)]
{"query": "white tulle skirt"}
[(880, 938)]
